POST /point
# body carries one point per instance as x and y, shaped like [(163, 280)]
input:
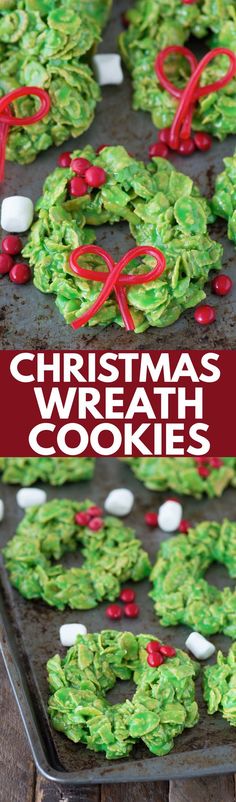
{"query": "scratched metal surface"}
[(29, 319), (33, 637)]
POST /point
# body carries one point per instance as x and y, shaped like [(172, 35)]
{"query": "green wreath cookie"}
[(46, 43), (182, 475), (156, 25), (181, 595), (112, 555), (224, 198), (54, 470), (163, 208), (162, 706), (219, 686)]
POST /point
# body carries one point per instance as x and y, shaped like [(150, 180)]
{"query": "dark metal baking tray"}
[(30, 319), (30, 635)]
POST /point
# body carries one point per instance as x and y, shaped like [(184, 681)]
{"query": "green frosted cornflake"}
[(46, 44), (219, 686), (162, 207), (224, 198), (181, 595), (162, 705), (54, 470), (181, 475), (112, 555), (156, 25)]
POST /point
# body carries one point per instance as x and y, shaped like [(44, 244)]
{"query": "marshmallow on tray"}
[(107, 68), (199, 646), (30, 496), (69, 632), (119, 502), (17, 214), (170, 515), (1, 509)]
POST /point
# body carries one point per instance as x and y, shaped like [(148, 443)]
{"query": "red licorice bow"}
[(8, 118), (181, 126), (113, 280)]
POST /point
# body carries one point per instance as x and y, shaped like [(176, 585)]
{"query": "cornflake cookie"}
[(162, 706), (54, 470), (224, 198), (184, 475), (181, 595), (163, 208), (156, 25), (219, 686), (47, 43), (112, 555)]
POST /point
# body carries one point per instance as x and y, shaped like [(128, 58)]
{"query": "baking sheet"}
[(30, 635), (30, 319)]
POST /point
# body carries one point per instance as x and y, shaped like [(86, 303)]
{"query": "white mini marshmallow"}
[(17, 214), (1, 509), (107, 68), (119, 502), (169, 515), (199, 646), (69, 632), (29, 496)]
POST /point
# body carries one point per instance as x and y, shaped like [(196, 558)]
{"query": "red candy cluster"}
[(205, 466), (87, 176), (158, 653), (19, 272), (186, 147), (90, 518), (131, 609)]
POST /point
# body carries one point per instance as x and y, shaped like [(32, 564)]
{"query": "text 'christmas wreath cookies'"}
[(46, 43), (54, 470), (181, 595), (111, 554), (224, 198), (219, 686), (153, 27), (185, 475), (162, 706), (163, 208)]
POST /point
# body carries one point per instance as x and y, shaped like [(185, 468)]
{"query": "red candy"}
[(6, 263), (215, 462), (77, 187), (205, 314), (95, 176), (100, 148), (186, 147), (95, 512), (202, 141), (64, 160), (114, 612), (20, 273), (12, 245), (189, 2), (221, 285), (80, 166), (127, 595), (164, 136), (95, 524), (158, 149), (167, 651), (82, 518), (155, 659), (151, 519), (131, 610), (153, 646), (203, 472), (184, 526)]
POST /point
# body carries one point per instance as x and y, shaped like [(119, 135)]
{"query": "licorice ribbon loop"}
[(8, 119)]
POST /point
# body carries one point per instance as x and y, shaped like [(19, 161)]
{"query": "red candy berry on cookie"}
[(127, 595), (64, 160), (114, 612), (221, 285), (131, 610), (79, 166), (167, 651), (215, 462), (203, 471), (184, 526), (12, 245), (155, 659), (77, 187), (6, 263), (95, 176), (164, 136), (82, 518), (205, 314), (95, 524), (20, 273), (186, 147), (158, 149), (153, 646), (202, 141), (95, 512)]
